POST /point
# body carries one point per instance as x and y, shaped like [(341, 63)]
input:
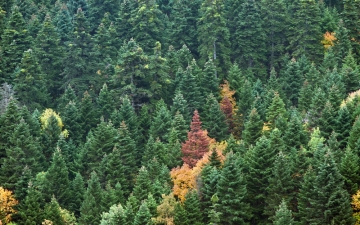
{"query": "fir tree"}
[(213, 36), (15, 39), (77, 188), (88, 115), (90, 208), (52, 212), (214, 119), (143, 216), (57, 180), (31, 209), (283, 215), (30, 82), (292, 81), (192, 208), (253, 128), (161, 124), (232, 193), (349, 169), (343, 126), (275, 110), (350, 73), (63, 22), (105, 103), (142, 186)]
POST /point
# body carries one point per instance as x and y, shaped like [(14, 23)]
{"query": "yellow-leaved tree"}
[(7, 203), (44, 119), (166, 210), (356, 207)]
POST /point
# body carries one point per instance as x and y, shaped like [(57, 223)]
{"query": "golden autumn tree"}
[(328, 40), (166, 210), (356, 206), (7, 203), (183, 179)]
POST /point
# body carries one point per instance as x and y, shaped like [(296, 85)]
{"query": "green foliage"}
[(253, 128)]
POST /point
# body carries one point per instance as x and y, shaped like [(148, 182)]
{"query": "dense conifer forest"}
[(179, 112)]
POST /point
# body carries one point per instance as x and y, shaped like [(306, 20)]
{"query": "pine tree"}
[(116, 215), (213, 36), (292, 81), (115, 170), (253, 128), (214, 119), (184, 28), (97, 9), (350, 16), (88, 115), (209, 178), (52, 212), (57, 180), (90, 208), (180, 105), (295, 135), (350, 73), (209, 81), (31, 209), (22, 184), (231, 190), (72, 122), (15, 39), (197, 143), (342, 44), (63, 22), (343, 126), (180, 126), (283, 215), (174, 149)]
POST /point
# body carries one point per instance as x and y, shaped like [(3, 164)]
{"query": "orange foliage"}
[(356, 207), (226, 92), (183, 179), (328, 40), (7, 202)]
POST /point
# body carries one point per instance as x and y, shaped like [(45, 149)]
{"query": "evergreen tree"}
[(213, 36), (72, 122), (143, 216), (275, 110), (281, 185), (232, 193), (143, 185), (30, 82), (90, 208), (295, 135), (22, 150), (214, 119), (115, 170), (253, 128), (31, 209), (292, 80), (350, 73), (184, 28), (63, 22), (209, 81), (77, 188), (209, 178), (105, 103), (52, 212), (283, 215), (57, 180), (49, 53), (147, 25), (116, 215), (22, 184), (190, 87), (342, 44), (305, 33), (349, 169), (180, 126), (350, 16), (260, 161), (180, 105), (15, 39), (79, 70), (343, 126), (192, 208), (248, 36), (275, 19), (161, 124), (87, 115)]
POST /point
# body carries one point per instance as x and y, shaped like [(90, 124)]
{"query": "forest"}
[(179, 112)]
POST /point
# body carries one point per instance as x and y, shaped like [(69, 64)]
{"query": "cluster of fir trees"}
[(126, 78)]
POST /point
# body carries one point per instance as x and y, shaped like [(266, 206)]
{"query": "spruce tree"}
[(292, 80), (63, 22), (143, 185), (161, 124), (180, 105), (349, 169), (31, 209), (275, 110), (105, 103), (115, 170), (77, 188), (343, 126), (342, 44), (209, 178), (143, 216), (350, 73), (88, 115), (52, 212), (180, 126)]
